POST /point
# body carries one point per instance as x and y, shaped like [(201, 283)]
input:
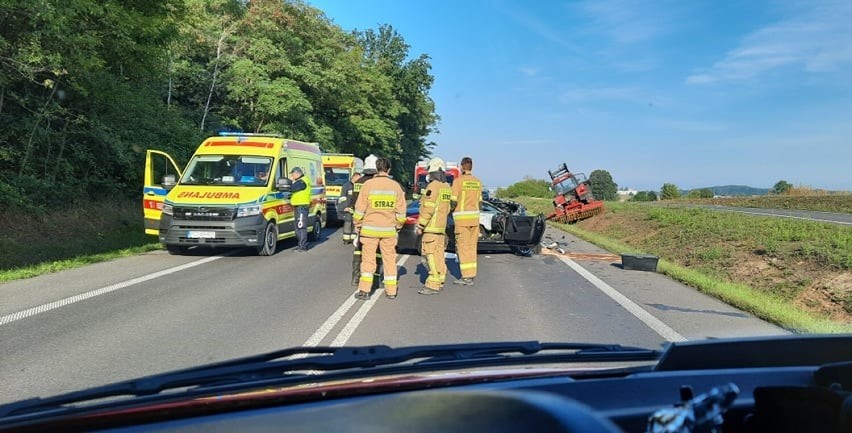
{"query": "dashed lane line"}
[(359, 316)]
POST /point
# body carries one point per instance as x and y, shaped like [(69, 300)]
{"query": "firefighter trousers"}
[(466, 239), (356, 262), (369, 265), (432, 249)]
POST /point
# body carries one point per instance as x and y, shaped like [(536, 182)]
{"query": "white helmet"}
[(370, 164), (435, 164), (359, 165)]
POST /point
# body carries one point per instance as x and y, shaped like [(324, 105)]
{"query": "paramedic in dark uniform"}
[(347, 202), (300, 199)]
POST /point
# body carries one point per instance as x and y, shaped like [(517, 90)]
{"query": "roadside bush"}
[(528, 187)]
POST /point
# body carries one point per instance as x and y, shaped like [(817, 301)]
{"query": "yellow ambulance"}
[(233, 193), (337, 170)]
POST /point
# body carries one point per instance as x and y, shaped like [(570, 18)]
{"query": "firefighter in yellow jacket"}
[(432, 224), (467, 194), (379, 215)]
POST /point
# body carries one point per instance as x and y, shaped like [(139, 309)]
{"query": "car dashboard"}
[(783, 385)]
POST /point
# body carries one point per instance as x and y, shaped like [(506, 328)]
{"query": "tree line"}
[(86, 86)]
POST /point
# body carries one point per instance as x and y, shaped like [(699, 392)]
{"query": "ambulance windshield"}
[(234, 170), (337, 176)]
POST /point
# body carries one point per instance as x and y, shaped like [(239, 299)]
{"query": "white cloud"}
[(535, 24), (816, 39), (629, 21)]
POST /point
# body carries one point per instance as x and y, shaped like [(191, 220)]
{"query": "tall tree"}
[(669, 191), (603, 187), (781, 187)]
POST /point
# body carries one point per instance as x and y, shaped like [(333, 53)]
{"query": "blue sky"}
[(698, 93)]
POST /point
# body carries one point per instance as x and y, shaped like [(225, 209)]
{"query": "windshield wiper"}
[(295, 362)]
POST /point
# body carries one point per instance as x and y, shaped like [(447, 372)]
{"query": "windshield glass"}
[(337, 176), (232, 170), (150, 226)]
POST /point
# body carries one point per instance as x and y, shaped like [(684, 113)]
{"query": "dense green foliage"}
[(700, 193), (528, 187), (86, 86), (603, 187), (645, 196), (669, 191), (781, 187)]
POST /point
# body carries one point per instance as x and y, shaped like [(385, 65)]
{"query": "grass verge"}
[(710, 256), (823, 203), (32, 245)]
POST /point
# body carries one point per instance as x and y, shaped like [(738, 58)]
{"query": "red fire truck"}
[(453, 172)]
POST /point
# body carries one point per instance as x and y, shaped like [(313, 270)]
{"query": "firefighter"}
[(347, 201), (300, 200), (379, 215), (467, 194), (432, 224), (369, 171)]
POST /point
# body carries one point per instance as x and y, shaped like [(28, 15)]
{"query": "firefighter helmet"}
[(370, 164), (436, 164)]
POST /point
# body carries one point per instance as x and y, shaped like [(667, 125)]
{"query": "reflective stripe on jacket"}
[(434, 207), (467, 193), (380, 208)]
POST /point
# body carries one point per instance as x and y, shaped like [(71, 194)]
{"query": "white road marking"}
[(103, 290), (350, 327), (652, 322), (788, 216), (330, 323)]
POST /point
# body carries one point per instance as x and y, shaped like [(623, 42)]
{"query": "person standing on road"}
[(300, 199), (369, 173), (467, 195), (432, 224), (379, 215), (347, 202)]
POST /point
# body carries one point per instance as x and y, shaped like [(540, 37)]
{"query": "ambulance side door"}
[(158, 165)]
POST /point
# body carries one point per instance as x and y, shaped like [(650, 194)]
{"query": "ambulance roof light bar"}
[(248, 134)]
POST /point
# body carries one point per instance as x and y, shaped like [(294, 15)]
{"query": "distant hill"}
[(737, 190)]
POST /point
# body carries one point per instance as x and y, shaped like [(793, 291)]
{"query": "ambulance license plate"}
[(200, 235)]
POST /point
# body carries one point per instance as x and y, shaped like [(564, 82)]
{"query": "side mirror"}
[(169, 181), (283, 184)]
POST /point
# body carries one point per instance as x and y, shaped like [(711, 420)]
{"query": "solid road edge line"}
[(647, 318)]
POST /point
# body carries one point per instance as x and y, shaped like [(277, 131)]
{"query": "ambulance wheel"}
[(314, 236), (176, 250), (269, 241)]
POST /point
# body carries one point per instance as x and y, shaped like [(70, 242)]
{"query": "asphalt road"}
[(155, 312), (829, 217)]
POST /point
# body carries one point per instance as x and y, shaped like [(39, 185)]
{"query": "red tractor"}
[(574, 200)]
